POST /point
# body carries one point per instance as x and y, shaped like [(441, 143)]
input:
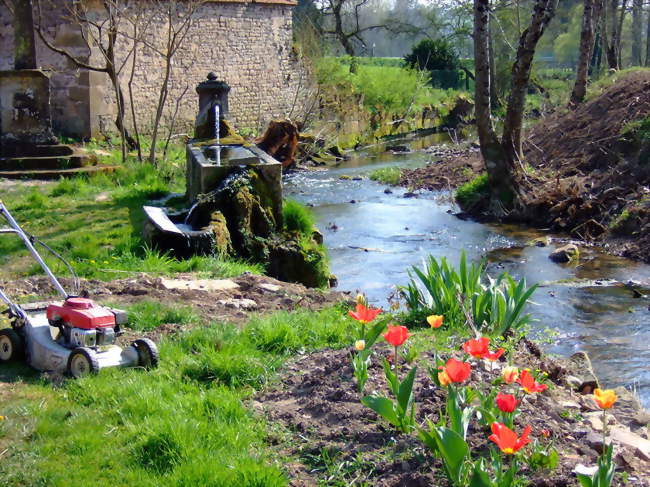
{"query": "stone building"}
[(248, 43)]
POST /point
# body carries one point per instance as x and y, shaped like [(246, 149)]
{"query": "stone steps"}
[(39, 150), (56, 173)]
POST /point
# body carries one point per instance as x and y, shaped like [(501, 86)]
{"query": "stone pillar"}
[(24, 45), (211, 93)]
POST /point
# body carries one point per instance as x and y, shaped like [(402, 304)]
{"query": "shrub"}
[(432, 54)]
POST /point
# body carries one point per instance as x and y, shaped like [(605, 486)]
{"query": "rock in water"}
[(565, 254)]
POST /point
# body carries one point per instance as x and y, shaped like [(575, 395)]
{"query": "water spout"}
[(189, 213), (217, 134)]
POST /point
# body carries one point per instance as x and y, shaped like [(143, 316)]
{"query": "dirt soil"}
[(446, 172), (252, 293), (338, 441), (583, 175)]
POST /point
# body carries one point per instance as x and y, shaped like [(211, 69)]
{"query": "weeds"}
[(386, 175), (297, 217), (473, 191)]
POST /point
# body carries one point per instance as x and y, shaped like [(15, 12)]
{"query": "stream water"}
[(373, 238)]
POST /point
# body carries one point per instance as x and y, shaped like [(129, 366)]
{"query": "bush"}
[(432, 54)]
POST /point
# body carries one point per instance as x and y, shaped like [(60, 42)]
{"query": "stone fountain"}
[(233, 202)]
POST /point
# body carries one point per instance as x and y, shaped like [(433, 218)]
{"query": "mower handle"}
[(15, 228)]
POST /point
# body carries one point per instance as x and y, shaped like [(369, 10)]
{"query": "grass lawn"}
[(96, 224)]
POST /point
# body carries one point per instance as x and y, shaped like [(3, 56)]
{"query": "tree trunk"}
[(495, 102), (338, 28), (589, 21), (491, 150), (612, 57), (647, 42), (619, 37), (543, 12), (637, 32)]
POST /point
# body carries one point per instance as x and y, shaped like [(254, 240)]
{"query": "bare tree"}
[(502, 157), (178, 18), (345, 16), (99, 31), (590, 18), (647, 40)]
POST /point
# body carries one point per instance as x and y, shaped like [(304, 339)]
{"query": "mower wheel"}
[(82, 361), (11, 345), (148, 356)]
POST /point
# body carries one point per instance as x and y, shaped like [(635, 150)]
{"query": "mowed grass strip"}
[(184, 424)]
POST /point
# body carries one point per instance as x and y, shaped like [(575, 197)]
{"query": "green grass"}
[(597, 88), (96, 224), (147, 315), (186, 423), (472, 191), (297, 217), (386, 175)]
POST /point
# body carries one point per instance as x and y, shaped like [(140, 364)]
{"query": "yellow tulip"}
[(605, 398)]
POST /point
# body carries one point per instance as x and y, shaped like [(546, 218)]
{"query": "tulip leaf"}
[(453, 450), (384, 407), (480, 477), (405, 391), (372, 335)]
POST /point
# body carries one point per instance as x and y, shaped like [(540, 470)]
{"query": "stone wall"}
[(248, 45)]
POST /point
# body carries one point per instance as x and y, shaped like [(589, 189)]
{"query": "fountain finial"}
[(212, 76)]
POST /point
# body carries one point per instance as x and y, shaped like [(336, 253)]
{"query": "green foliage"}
[(401, 411), (432, 54), (297, 217), (147, 315), (495, 305), (386, 175), (605, 473), (473, 191)]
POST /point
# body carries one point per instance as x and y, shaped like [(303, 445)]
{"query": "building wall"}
[(248, 45)]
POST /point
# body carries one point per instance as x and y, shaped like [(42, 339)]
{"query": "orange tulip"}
[(528, 383), (363, 314), (507, 440), (456, 370), (479, 349), (435, 321), (396, 335), (443, 378), (605, 398), (510, 374)]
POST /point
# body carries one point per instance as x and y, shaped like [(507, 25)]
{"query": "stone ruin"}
[(28, 147), (233, 201)]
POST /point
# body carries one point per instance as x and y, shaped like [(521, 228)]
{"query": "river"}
[(374, 237)]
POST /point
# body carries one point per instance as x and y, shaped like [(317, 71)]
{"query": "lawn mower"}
[(74, 336)]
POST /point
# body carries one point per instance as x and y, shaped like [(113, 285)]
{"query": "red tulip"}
[(456, 370), (507, 440), (363, 314), (479, 349), (528, 383), (506, 402), (396, 335)]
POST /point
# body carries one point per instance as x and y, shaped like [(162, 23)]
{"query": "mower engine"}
[(84, 324)]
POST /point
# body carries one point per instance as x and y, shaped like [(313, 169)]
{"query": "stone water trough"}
[(233, 202)]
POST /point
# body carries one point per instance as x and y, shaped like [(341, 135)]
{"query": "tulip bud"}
[(360, 345), (510, 374), (443, 378), (361, 299)]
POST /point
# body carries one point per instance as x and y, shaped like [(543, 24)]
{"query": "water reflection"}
[(373, 241)]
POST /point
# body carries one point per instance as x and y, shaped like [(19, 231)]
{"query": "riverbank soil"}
[(337, 438), (585, 172)]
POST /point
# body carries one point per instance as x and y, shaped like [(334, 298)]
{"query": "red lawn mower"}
[(75, 336)]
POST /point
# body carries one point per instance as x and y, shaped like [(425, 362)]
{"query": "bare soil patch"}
[(338, 439), (253, 293)]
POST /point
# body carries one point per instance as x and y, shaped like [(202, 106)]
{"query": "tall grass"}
[(187, 423), (297, 217)]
